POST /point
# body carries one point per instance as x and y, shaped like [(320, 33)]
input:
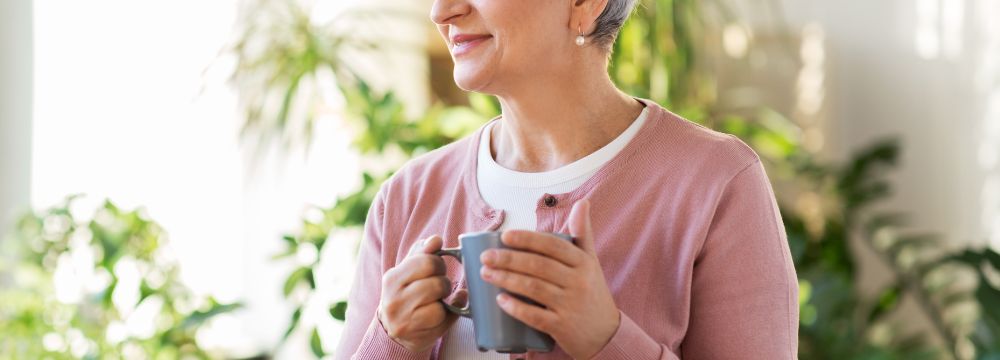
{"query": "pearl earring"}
[(579, 38)]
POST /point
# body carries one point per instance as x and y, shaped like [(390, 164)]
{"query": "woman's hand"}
[(579, 312), (409, 309)]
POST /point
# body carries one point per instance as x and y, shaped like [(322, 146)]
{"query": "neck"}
[(552, 122)]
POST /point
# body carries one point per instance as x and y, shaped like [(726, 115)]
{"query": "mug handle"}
[(457, 254)]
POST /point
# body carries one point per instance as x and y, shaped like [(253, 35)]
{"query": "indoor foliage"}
[(657, 57), (97, 287)]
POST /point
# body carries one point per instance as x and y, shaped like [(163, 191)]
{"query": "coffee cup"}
[(494, 329)]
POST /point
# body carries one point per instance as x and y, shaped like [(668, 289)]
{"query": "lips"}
[(463, 43)]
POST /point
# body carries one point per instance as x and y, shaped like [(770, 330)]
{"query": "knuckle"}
[(422, 287), (436, 316), (392, 308), (445, 285), (425, 266), (389, 278), (508, 258), (534, 263), (439, 266), (533, 286), (500, 276), (418, 317)]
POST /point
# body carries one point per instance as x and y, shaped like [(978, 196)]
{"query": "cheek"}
[(531, 38), (528, 54)]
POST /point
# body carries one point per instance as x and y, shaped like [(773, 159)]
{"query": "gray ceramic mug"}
[(494, 329)]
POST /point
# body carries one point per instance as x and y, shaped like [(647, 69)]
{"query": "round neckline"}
[(491, 217), (488, 166)]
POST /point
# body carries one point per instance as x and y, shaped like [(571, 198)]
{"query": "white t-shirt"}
[(517, 194)]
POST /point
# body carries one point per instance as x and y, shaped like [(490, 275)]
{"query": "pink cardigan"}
[(688, 234)]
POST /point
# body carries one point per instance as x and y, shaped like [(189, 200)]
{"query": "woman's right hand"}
[(409, 309)]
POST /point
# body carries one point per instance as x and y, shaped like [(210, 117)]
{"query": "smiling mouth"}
[(464, 45)]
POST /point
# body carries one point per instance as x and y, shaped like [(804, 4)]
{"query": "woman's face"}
[(497, 43)]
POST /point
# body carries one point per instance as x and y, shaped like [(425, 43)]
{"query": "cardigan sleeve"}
[(363, 336), (744, 296), (744, 292)]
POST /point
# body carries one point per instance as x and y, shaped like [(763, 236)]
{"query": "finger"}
[(421, 246), (543, 244), (426, 291), (536, 289), (416, 267), (429, 316), (416, 246), (527, 263), (543, 320), (460, 300), (580, 226), (432, 244)]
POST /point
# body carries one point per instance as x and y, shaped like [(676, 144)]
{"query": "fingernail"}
[(486, 273), (502, 299), (488, 257), (507, 237)]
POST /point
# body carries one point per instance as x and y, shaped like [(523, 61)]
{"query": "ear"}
[(584, 14)]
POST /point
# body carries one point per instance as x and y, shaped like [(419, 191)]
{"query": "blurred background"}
[(188, 179)]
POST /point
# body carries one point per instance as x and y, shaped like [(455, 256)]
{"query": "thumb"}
[(426, 246), (580, 228), (432, 244)]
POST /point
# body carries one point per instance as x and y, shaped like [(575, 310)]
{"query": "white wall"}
[(928, 71), (15, 109)]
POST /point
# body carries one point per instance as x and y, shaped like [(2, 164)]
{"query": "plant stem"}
[(911, 284)]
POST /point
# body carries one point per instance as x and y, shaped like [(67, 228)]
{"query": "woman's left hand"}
[(579, 312)]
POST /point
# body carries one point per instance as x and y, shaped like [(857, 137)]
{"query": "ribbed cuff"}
[(378, 345), (631, 342)]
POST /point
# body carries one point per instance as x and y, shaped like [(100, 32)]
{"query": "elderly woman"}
[(681, 251)]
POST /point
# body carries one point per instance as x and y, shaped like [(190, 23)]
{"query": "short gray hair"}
[(611, 21)]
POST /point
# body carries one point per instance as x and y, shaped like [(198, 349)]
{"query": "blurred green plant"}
[(657, 57), (387, 129), (96, 288)]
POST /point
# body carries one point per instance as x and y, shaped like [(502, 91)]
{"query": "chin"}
[(471, 78)]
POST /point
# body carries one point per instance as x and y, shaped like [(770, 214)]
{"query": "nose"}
[(444, 12)]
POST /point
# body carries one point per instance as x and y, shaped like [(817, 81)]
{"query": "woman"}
[(681, 251)]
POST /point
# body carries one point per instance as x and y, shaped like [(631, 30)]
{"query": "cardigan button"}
[(551, 201)]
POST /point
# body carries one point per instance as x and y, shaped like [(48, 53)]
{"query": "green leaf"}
[(993, 257), (198, 318), (294, 279), (145, 290), (296, 316), (913, 241), (887, 302), (886, 220), (339, 310), (316, 344), (968, 257)]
